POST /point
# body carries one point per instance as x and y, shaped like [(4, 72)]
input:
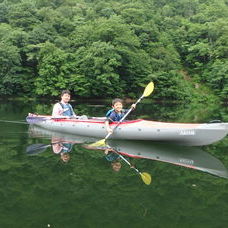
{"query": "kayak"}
[(192, 134), (189, 157)]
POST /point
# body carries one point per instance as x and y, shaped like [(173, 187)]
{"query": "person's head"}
[(116, 166), (57, 147), (117, 104), (65, 96), (65, 157)]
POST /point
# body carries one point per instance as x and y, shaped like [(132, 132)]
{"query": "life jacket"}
[(109, 112), (67, 147), (114, 116), (112, 156), (68, 109)]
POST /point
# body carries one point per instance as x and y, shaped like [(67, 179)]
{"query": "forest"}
[(107, 48)]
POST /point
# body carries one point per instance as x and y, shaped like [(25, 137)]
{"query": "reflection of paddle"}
[(146, 177), (147, 91), (9, 121), (38, 148)]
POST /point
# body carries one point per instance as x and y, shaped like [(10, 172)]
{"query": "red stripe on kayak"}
[(167, 125), (145, 123), (93, 121), (130, 155), (98, 121), (161, 160)]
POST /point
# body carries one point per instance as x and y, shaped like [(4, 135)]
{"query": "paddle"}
[(33, 119), (147, 91), (38, 148), (146, 177), (9, 121)]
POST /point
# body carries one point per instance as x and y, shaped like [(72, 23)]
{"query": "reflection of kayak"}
[(184, 133), (190, 157), (38, 132)]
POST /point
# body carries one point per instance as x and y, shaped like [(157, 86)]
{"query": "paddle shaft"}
[(36, 119), (123, 158), (9, 121), (39, 147), (145, 176), (123, 118)]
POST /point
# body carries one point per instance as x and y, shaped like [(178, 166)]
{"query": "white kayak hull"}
[(183, 133)]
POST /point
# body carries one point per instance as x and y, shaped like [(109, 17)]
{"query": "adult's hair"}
[(65, 92), (117, 100)]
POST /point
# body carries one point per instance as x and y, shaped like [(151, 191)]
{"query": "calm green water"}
[(40, 190)]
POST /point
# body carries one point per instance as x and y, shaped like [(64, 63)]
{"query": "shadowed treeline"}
[(109, 48)]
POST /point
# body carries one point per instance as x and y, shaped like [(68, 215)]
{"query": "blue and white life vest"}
[(68, 110), (114, 116)]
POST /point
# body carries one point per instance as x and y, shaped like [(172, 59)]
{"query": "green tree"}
[(133, 66), (9, 69), (23, 15), (54, 70), (217, 77), (95, 70)]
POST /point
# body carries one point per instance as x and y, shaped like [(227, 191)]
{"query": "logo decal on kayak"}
[(187, 132), (186, 161)]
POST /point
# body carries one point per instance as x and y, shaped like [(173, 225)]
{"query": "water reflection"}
[(189, 157), (62, 144), (114, 158), (62, 148), (58, 147)]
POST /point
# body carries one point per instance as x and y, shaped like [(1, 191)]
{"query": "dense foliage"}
[(108, 48)]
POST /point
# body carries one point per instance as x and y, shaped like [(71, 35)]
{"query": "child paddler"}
[(116, 113)]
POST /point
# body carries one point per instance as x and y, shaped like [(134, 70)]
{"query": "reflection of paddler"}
[(114, 158), (63, 149)]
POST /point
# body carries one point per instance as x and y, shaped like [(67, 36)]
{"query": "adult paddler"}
[(63, 108)]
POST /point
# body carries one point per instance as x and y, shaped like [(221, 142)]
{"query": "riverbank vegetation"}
[(110, 48)]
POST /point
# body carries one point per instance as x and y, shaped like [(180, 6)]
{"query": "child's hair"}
[(117, 100), (65, 92)]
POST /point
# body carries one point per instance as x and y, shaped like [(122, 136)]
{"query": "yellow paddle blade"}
[(146, 178), (149, 89), (99, 143)]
